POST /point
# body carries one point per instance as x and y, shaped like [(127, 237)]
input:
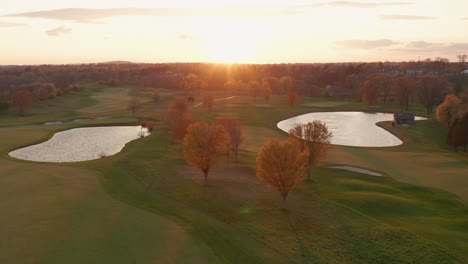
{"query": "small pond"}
[(81, 144), (357, 129)]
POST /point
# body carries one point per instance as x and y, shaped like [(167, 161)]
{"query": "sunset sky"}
[(253, 31)]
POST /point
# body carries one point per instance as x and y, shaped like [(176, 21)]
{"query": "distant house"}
[(403, 118)]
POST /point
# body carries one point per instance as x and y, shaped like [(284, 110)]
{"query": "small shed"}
[(403, 118)]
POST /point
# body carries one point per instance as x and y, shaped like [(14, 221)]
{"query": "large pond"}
[(357, 129), (81, 144)]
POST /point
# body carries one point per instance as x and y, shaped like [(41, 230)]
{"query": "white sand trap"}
[(356, 169), (81, 144), (53, 123)]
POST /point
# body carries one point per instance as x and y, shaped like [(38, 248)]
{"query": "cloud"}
[(10, 24), (420, 44), (92, 15), (184, 36), (87, 15), (457, 47), (360, 4), (431, 49), (466, 18), (405, 17), (365, 44), (55, 32)]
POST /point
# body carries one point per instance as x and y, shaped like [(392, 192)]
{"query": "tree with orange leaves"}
[(179, 127), (447, 111), (313, 137), (266, 88), (134, 105), (177, 118), (281, 164), (203, 145), (22, 102), (292, 98), (209, 101), (254, 89)]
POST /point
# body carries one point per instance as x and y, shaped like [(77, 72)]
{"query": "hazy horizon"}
[(258, 32)]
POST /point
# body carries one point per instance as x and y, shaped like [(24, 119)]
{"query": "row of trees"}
[(454, 112), (21, 97), (343, 80), (429, 89)]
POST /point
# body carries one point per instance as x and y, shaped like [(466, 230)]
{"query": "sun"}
[(229, 42)]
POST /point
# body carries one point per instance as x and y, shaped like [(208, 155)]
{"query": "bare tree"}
[(234, 128)]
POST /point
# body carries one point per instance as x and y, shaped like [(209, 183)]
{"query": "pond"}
[(81, 144), (357, 129)]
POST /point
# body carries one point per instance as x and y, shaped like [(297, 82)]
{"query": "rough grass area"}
[(146, 205)]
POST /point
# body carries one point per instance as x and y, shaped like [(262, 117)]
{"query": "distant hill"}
[(116, 62)]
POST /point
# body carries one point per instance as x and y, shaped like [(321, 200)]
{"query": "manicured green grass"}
[(146, 205)]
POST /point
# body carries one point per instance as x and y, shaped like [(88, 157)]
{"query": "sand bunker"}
[(81, 144), (52, 123), (356, 169)]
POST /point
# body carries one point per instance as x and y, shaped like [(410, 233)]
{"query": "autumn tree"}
[(287, 84), (406, 86), (179, 127), (370, 92), (209, 102), (254, 89), (22, 102), (458, 130), (156, 96), (432, 91), (313, 137), (190, 100), (230, 86), (204, 144), (281, 164), (378, 85), (177, 118), (198, 85), (234, 129), (292, 98), (266, 88), (352, 83), (134, 105), (189, 82), (447, 111), (150, 126)]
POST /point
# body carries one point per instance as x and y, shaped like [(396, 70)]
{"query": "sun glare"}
[(229, 41)]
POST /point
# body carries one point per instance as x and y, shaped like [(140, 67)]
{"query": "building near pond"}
[(403, 118)]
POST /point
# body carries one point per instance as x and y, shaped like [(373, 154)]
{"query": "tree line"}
[(339, 80)]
